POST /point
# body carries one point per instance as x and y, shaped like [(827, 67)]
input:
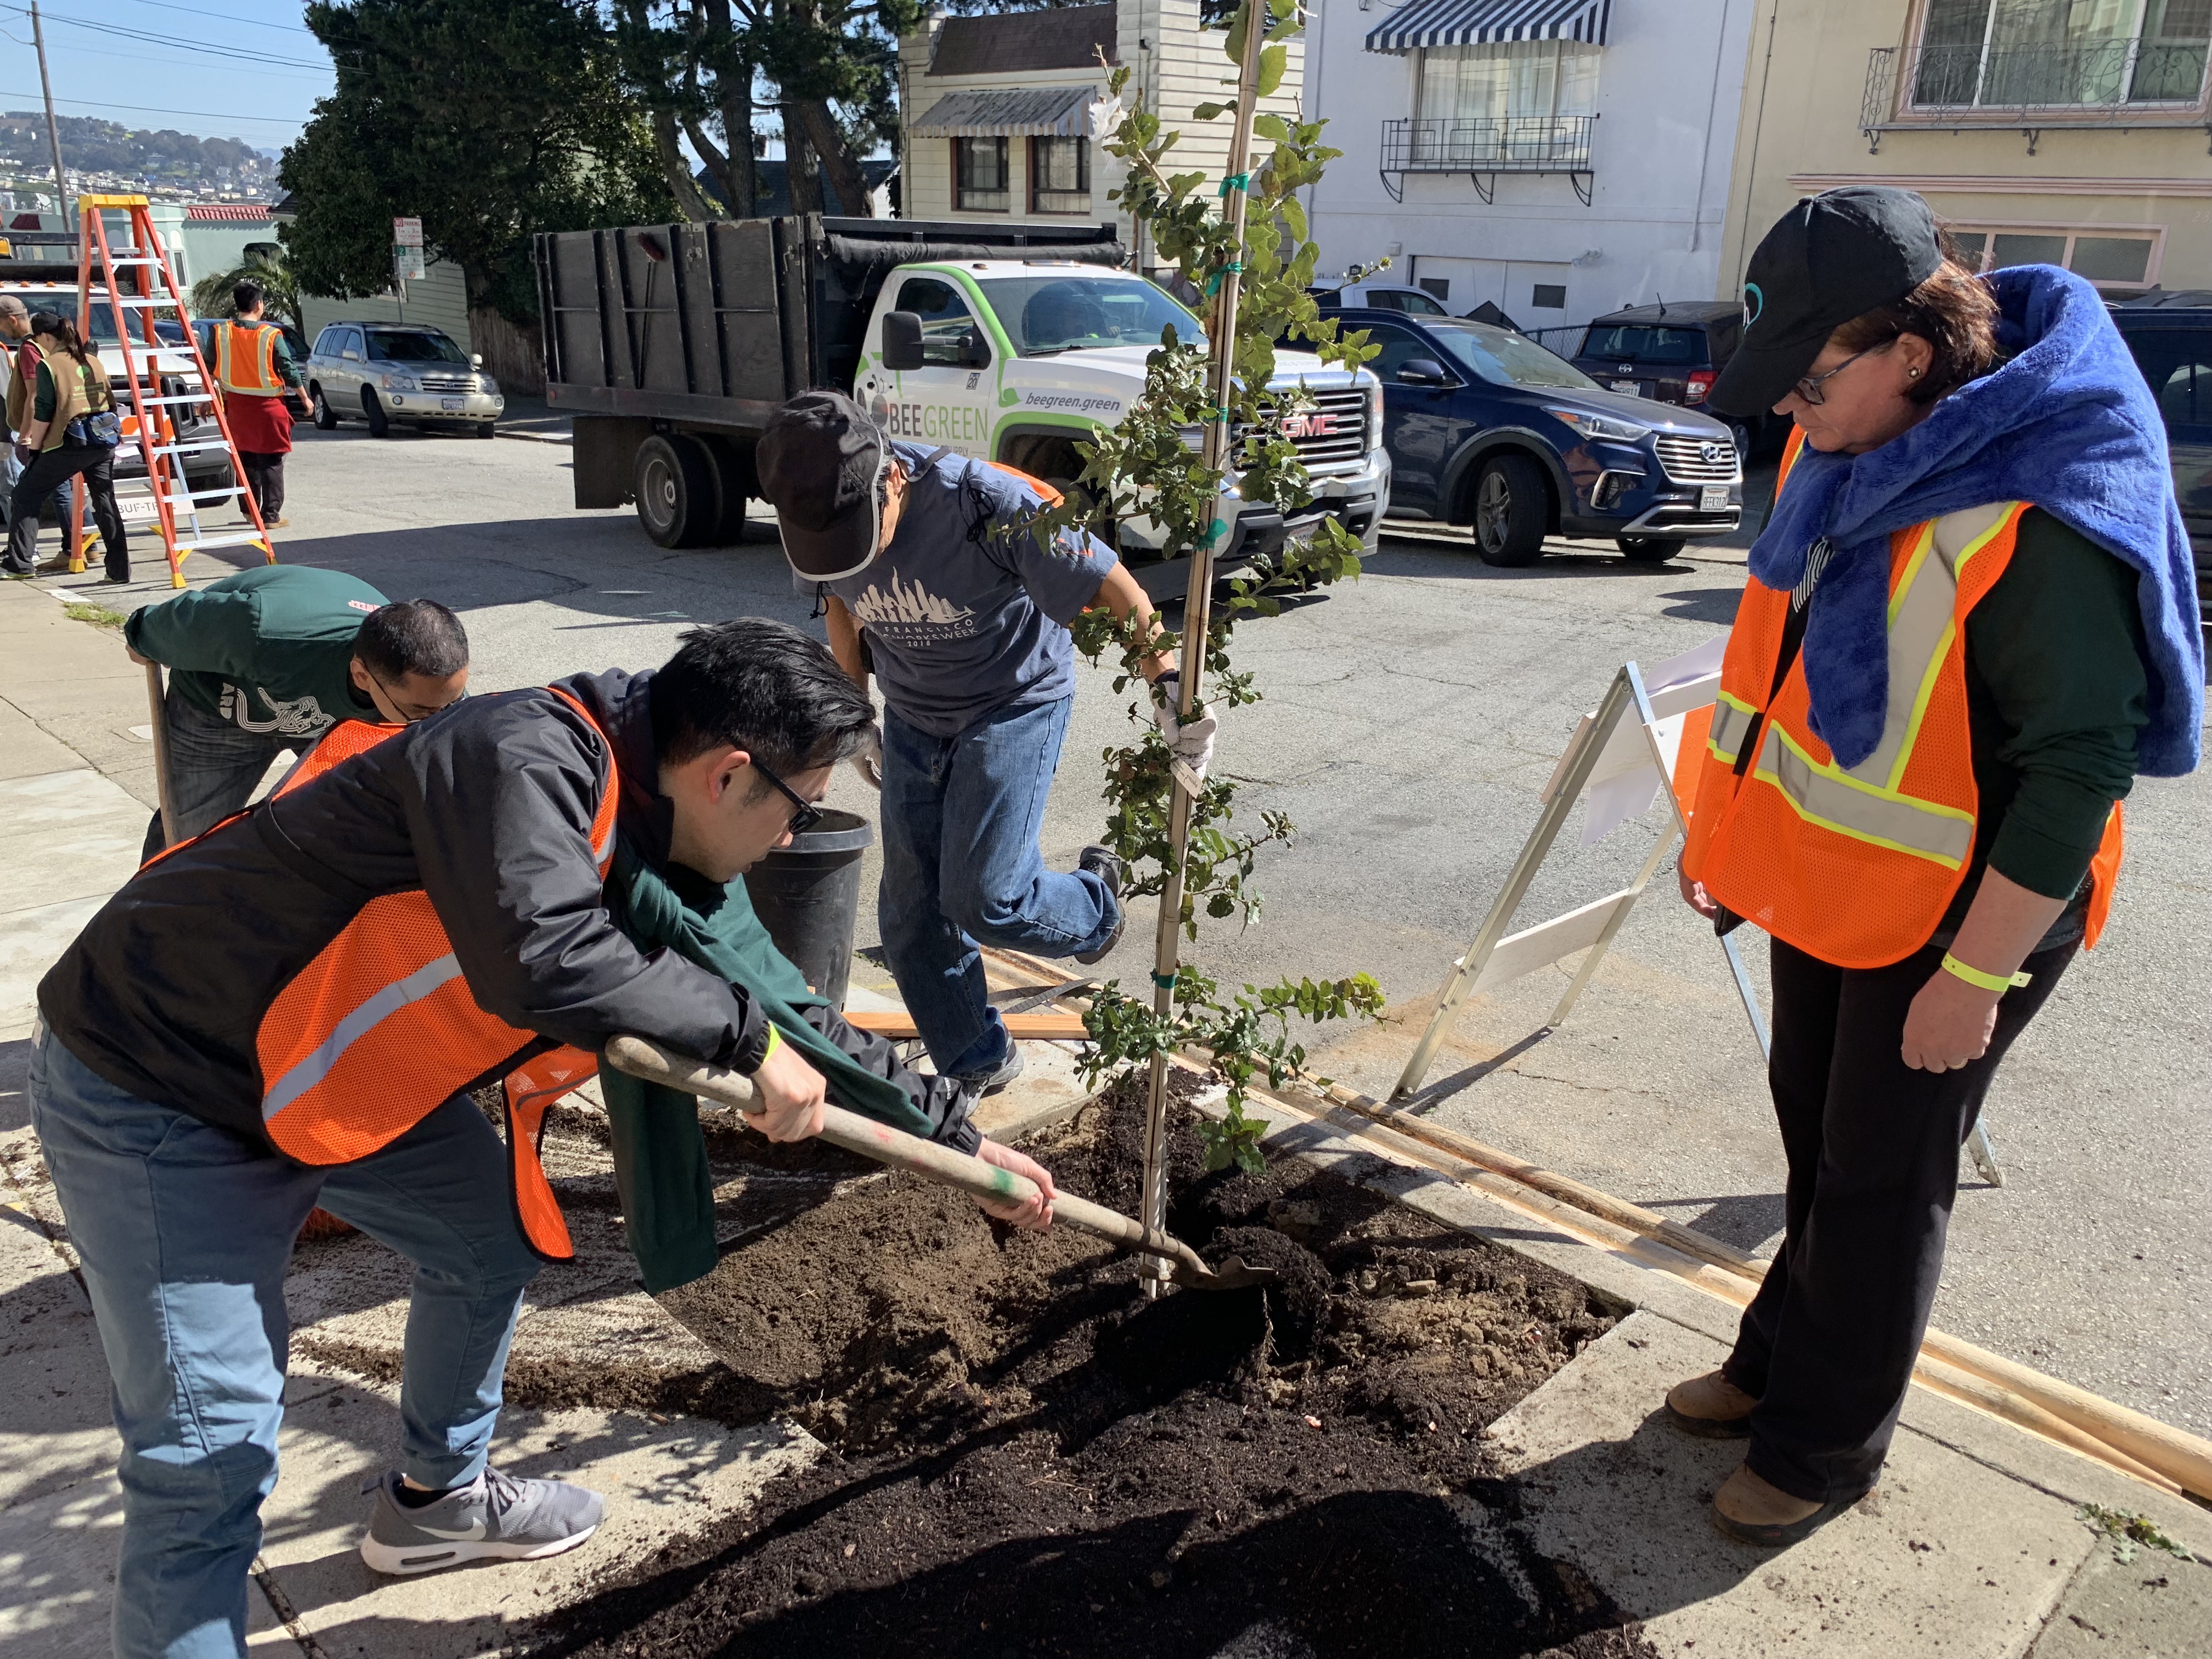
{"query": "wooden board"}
[(1027, 1028)]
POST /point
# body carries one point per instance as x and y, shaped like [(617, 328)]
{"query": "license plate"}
[(453, 404), (1629, 386), (135, 507), (1712, 498)]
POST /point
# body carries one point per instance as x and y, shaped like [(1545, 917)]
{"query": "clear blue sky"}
[(202, 66)]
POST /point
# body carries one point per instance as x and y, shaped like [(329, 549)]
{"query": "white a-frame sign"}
[(1623, 757)]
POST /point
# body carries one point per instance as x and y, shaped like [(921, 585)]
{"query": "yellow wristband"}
[(1987, 982)]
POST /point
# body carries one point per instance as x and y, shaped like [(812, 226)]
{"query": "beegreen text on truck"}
[(671, 344)]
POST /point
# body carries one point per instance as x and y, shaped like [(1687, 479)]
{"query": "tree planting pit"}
[(1026, 1457)]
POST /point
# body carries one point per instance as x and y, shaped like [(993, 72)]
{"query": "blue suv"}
[(1485, 426)]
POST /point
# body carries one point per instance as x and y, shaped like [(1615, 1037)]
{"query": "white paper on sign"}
[(1623, 784)]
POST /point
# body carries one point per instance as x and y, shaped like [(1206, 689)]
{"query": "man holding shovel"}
[(292, 1009), (269, 659), (931, 577)]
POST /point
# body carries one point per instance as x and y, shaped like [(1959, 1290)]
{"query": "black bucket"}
[(808, 896)]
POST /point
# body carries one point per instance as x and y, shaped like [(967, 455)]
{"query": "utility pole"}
[(53, 132)]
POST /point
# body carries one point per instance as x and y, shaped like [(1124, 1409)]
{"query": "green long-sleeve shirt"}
[(2056, 694), (270, 649)]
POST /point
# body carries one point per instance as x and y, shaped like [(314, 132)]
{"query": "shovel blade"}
[(1231, 1275)]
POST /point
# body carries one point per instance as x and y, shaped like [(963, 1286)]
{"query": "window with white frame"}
[(2119, 260), (2061, 53), (979, 175), (1516, 80)]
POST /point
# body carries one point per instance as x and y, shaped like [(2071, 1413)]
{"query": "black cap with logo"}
[(821, 463), (1832, 257)]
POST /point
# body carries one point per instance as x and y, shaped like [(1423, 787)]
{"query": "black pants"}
[(1828, 1343), (265, 476), (48, 472)]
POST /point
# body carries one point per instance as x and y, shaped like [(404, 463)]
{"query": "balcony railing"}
[(1482, 147), (2118, 84)]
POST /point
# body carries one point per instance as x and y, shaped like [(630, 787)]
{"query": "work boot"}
[(1110, 867), (493, 1516), (57, 566), (1710, 1407), (1753, 1510)]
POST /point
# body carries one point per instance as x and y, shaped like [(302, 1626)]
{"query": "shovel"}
[(879, 1141)]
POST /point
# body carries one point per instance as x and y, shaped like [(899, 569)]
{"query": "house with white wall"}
[(993, 107), (1557, 158)]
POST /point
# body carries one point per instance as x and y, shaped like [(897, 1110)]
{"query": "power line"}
[(148, 109), (174, 44), (148, 58), (253, 22)]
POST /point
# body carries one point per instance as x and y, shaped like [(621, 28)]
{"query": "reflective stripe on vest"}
[(245, 360), (380, 1028), (1857, 865)]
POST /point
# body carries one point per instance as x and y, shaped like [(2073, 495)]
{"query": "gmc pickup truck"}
[(671, 344)]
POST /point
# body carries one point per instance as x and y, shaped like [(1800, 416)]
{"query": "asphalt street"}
[(1410, 720)]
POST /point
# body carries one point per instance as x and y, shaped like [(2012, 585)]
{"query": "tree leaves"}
[(1273, 61)]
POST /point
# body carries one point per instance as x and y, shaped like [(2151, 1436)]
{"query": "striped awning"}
[(1421, 23), (1050, 112)]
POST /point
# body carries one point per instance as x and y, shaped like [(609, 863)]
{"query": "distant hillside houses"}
[(107, 154)]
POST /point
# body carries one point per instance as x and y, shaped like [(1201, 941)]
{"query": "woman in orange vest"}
[(1970, 623), (253, 367)]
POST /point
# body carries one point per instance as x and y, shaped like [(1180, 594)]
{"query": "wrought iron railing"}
[(2110, 83), (1483, 146)]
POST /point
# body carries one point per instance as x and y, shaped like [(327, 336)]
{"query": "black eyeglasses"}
[(804, 816), (1810, 387)]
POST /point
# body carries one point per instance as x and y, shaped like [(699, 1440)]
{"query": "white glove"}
[(1192, 740), (868, 758)]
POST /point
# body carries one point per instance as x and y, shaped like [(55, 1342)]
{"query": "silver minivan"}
[(388, 374)]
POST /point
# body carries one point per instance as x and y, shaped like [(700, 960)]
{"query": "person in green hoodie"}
[(269, 659)]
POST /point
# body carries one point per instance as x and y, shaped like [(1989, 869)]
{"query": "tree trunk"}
[(718, 165), (690, 202), (737, 128), (800, 167), (828, 141)]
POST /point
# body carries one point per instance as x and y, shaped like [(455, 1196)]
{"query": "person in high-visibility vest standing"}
[(253, 366), (1971, 621)]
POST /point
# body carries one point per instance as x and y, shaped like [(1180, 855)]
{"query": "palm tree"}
[(264, 263)]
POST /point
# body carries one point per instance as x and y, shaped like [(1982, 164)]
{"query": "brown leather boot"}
[(1754, 1511), (1710, 1407)]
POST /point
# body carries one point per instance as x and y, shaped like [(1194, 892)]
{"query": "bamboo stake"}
[(1197, 604)]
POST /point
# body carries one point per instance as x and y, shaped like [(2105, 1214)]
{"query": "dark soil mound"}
[(1028, 1458)]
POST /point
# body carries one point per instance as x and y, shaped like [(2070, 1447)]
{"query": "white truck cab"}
[(1020, 360)]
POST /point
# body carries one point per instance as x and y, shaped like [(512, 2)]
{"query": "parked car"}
[(207, 471), (1379, 296), (1486, 427), (2171, 335), (1671, 353), (398, 372)]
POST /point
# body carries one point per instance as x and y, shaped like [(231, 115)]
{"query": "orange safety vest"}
[(385, 1000), (246, 359), (1856, 866)]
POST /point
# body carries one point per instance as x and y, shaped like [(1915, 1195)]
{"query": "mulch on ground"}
[(1028, 1458)]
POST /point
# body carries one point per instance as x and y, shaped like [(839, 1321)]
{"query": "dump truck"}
[(671, 345)]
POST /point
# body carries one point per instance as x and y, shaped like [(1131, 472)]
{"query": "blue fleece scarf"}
[(2067, 425)]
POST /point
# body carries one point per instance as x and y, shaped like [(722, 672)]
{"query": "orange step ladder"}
[(140, 282)]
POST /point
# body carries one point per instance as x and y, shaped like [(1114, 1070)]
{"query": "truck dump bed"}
[(717, 323)]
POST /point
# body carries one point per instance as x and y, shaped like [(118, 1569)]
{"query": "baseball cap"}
[(12, 307), (1832, 257), (820, 463)]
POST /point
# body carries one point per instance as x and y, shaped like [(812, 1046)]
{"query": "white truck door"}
[(950, 399)]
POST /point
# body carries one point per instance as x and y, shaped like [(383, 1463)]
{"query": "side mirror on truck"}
[(901, 341)]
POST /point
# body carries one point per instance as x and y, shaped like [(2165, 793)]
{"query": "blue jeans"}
[(960, 818), (214, 768), (184, 1231)]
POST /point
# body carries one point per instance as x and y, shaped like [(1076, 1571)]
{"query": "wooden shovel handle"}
[(879, 1141)]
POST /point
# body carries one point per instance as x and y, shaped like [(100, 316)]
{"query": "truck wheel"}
[(733, 473), (1650, 549), (678, 502), (327, 418), (379, 426), (1510, 505)]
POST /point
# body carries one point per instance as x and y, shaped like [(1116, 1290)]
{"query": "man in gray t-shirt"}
[(931, 579)]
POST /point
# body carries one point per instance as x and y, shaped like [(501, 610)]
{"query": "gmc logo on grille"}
[(1319, 424)]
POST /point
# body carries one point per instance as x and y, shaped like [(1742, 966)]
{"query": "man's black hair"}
[(414, 636), (245, 297), (762, 686)]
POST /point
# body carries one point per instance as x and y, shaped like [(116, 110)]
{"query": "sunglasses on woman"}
[(804, 816)]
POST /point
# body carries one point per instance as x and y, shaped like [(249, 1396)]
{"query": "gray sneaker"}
[(1110, 867), (495, 1515)]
